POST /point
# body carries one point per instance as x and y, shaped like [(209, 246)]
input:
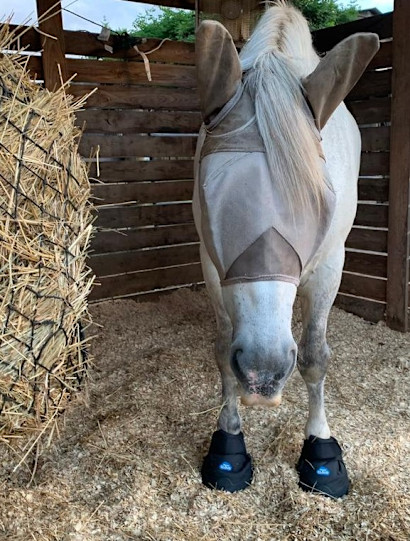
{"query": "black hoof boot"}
[(227, 466), (321, 468)]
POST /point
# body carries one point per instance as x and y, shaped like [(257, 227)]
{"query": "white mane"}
[(277, 57)]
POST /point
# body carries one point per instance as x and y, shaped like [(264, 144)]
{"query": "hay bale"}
[(45, 228)]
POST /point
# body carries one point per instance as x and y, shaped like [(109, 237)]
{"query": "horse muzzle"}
[(261, 380), (256, 399)]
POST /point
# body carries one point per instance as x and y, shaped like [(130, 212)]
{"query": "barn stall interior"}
[(146, 241), (146, 135), (135, 463)]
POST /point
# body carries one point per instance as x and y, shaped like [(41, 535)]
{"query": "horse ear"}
[(337, 73), (218, 67)]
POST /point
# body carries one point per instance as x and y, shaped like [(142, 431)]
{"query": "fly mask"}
[(247, 225)]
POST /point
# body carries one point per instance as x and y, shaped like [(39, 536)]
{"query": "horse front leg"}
[(229, 419), (313, 358), (321, 467), (227, 465)]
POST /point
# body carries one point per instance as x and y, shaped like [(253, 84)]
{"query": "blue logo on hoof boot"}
[(323, 471), (226, 466)]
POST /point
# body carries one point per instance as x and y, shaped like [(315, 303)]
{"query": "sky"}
[(118, 13)]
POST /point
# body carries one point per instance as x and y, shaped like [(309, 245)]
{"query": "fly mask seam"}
[(232, 132)]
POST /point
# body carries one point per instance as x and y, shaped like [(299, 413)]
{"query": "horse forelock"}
[(275, 59), (282, 28)]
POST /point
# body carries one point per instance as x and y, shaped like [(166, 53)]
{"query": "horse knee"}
[(313, 360)]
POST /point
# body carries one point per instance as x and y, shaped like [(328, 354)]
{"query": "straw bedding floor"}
[(126, 467)]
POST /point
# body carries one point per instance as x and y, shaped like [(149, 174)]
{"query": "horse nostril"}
[(278, 376)]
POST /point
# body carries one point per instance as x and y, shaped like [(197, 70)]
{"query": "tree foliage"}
[(324, 13), (179, 24), (175, 24)]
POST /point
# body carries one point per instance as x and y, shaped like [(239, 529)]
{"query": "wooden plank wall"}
[(146, 133)]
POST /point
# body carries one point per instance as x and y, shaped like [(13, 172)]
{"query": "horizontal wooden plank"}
[(154, 296), (375, 139), (363, 286), (129, 121), (147, 237), (143, 192), (137, 97), (372, 84), (124, 72), (365, 263), (373, 240), (138, 145), (375, 163), (87, 44), (136, 260), (127, 284), (367, 309), (374, 189), (327, 38), (125, 121), (139, 216), (372, 164), (129, 72), (371, 215), (371, 111), (130, 170), (384, 57)]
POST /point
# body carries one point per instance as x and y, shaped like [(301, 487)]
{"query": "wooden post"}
[(399, 191), (53, 54)]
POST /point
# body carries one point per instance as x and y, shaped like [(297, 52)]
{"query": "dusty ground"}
[(127, 467)]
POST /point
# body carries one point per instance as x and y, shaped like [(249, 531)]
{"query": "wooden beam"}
[(53, 55), (135, 171), (326, 38), (150, 280), (143, 260), (82, 43), (365, 308), (399, 192), (116, 241), (141, 97)]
